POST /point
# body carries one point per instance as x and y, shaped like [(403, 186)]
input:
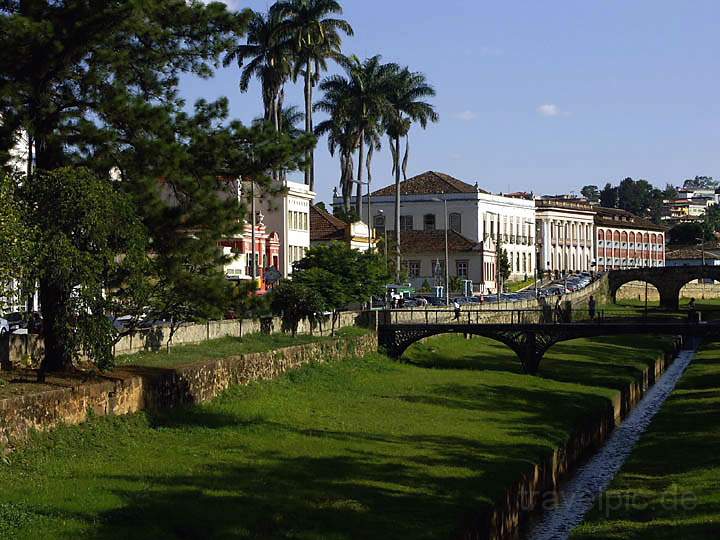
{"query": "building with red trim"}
[(624, 240)]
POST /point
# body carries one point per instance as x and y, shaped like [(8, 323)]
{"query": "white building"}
[(565, 232), (288, 214), (472, 212)]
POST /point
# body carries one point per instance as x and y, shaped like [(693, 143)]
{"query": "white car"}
[(4, 327)]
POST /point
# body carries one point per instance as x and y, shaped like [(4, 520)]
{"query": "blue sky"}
[(538, 96)]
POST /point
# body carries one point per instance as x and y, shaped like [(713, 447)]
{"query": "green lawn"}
[(366, 448), (636, 308), (515, 286), (225, 347), (668, 489)]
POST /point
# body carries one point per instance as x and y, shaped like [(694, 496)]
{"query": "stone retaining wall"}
[(635, 290), (511, 510), (28, 349), (133, 389)]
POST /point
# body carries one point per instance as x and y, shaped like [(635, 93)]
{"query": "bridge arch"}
[(667, 280)]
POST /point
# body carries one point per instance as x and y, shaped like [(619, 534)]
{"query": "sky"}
[(536, 96)]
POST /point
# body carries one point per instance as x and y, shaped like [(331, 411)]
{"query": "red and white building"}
[(240, 250), (624, 240)]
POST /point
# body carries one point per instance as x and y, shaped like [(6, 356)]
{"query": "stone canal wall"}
[(133, 389), (511, 510)]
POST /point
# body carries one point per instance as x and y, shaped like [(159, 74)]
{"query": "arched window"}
[(429, 222), (455, 222)]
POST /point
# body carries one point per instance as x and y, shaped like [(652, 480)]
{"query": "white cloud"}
[(466, 116), (548, 109)]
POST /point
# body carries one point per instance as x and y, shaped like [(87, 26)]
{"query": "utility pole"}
[(253, 272), (447, 257)]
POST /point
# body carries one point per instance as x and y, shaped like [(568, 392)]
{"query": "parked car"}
[(16, 320), (4, 327), (433, 300)]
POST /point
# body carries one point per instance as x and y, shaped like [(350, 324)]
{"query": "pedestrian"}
[(692, 316), (456, 307), (591, 307)]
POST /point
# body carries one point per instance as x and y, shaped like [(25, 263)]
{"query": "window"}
[(379, 224), (462, 268), (438, 267), (455, 222), (412, 268), (429, 222), (406, 223)]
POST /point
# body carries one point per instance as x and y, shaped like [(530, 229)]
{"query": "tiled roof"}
[(429, 183), (412, 242), (622, 219), (324, 226)]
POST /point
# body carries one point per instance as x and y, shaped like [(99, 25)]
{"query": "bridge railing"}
[(548, 315)]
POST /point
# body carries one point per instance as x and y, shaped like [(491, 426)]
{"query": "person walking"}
[(591, 307), (456, 307), (692, 316)]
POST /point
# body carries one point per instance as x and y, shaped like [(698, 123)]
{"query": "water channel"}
[(579, 493)]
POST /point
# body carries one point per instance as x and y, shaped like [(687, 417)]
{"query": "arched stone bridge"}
[(531, 341), (668, 280)]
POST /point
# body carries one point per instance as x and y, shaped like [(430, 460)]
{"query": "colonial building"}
[(625, 240), (240, 250), (473, 213), (423, 259), (325, 228), (565, 233), (289, 216)]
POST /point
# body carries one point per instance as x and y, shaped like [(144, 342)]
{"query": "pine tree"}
[(96, 84)]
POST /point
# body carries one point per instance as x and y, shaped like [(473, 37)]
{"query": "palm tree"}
[(289, 120), (340, 131), (315, 37), (362, 98), (268, 55), (406, 97)]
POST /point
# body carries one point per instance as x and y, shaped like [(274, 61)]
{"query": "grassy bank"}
[(226, 347), (668, 489), (515, 286), (366, 448)]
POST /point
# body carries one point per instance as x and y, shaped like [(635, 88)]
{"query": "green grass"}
[(365, 448), (636, 308), (515, 286), (668, 488), (224, 348)]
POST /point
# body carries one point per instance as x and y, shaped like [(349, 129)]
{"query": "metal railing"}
[(547, 315)]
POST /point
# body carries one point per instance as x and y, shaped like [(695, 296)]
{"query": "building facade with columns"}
[(472, 212), (625, 240), (566, 238)]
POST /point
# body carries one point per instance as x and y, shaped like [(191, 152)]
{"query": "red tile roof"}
[(622, 219), (428, 183), (432, 242), (324, 226)]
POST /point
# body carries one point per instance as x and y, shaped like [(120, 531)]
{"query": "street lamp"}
[(447, 255)]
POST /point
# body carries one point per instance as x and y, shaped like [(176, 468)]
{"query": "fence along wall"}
[(28, 349)]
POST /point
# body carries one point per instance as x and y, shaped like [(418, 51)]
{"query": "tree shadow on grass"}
[(363, 494)]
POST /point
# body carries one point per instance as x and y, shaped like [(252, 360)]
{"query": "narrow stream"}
[(578, 494)]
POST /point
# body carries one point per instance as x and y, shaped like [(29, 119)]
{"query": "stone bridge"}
[(531, 341), (668, 280)]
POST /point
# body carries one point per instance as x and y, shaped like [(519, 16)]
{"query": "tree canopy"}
[(341, 275), (88, 244)]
